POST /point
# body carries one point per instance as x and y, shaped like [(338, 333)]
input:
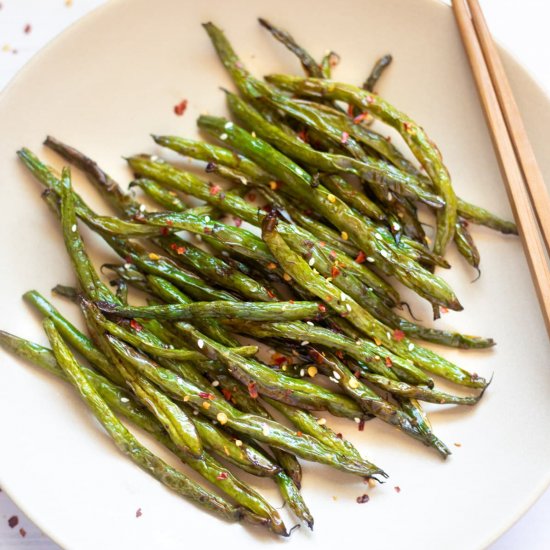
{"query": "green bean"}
[(169, 200), (261, 429), (379, 67), (415, 137), (299, 270), (129, 445), (308, 63), (256, 311)]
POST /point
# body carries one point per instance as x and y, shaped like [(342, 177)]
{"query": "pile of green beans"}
[(309, 277)]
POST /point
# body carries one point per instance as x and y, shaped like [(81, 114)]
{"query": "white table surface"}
[(27, 25)]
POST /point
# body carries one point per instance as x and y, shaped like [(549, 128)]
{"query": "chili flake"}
[(299, 433), (388, 362), (227, 394), (397, 489), (344, 138), (361, 425), (407, 126), (27, 28), (205, 395), (360, 117), (331, 198), (251, 197), (13, 521), (322, 308), (458, 444), (136, 326), (205, 405), (271, 265), (350, 109), (180, 108), (377, 341), (334, 272), (302, 134), (398, 335), (362, 499), (273, 185), (287, 277), (22, 532), (238, 222), (252, 390), (443, 309), (361, 257), (222, 476), (344, 236), (215, 189), (139, 513)]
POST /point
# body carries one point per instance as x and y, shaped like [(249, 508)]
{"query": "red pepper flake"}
[(136, 326), (215, 189), (22, 532), (128, 260), (252, 390), (180, 108), (350, 109), (299, 433), (222, 476), (279, 359), (174, 246), (322, 308), (443, 309), (362, 499), (357, 374), (164, 231), (388, 139), (27, 28), (388, 362), (398, 335), (361, 257), (302, 134), (181, 250), (397, 489), (340, 354), (344, 138), (227, 394), (205, 395), (169, 222), (334, 272), (407, 126), (339, 435), (271, 266), (361, 425), (139, 513), (370, 99), (251, 197), (13, 521), (359, 118), (332, 254), (270, 294), (322, 244)]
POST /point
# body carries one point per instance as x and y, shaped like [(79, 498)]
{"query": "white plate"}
[(115, 77)]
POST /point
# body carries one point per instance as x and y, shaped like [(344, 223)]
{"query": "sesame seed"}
[(127, 266), (390, 197), (73, 228), (336, 375), (228, 125), (207, 218), (200, 343), (215, 383), (411, 346), (186, 398), (265, 429), (238, 442), (223, 136), (331, 197), (124, 400), (221, 418), (154, 158), (142, 208), (357, 420), (370, 259), (302, 372), (378, 236), (311, 262), (321, 421), (344, 297), (333, 380), (206, 405), (344, 236), (305, 343), (348, 307), (353, 383)]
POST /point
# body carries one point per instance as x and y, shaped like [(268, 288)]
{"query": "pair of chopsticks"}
[(527, 192)]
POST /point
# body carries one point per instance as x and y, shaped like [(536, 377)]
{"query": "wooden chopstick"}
[(506, 154), (514, 123)]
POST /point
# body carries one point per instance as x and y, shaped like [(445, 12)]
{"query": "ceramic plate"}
[(114, 78)]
